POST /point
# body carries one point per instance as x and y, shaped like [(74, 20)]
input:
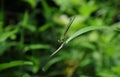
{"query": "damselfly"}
[(62, 40), (66, 30)]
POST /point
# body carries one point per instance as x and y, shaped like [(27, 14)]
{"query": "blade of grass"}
[(35, 46), (51, 62), (61, 46), (4, 36), (78, 33), (84, 30), (11, 64)]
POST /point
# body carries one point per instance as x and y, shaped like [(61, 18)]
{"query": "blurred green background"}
[(29, 30)]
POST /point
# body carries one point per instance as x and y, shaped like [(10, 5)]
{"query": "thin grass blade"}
[(84, 30)]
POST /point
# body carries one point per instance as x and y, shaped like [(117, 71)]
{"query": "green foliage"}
[(33, 3), (5, 35), (29, 30), (14, 64)]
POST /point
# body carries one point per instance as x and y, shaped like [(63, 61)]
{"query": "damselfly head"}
[(60, 41)]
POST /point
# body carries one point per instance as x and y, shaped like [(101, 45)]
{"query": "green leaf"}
[(36, 62), (116, 69), (31, 27), (51, 62), (4, 36), (45, 27), (46, 8), (35, 46), (26, 75), (11, 64), (61, 46), (26, 23), (33, 3), (25, 19), (106, 73), (5, 45), (84, 30), (87, 8)]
